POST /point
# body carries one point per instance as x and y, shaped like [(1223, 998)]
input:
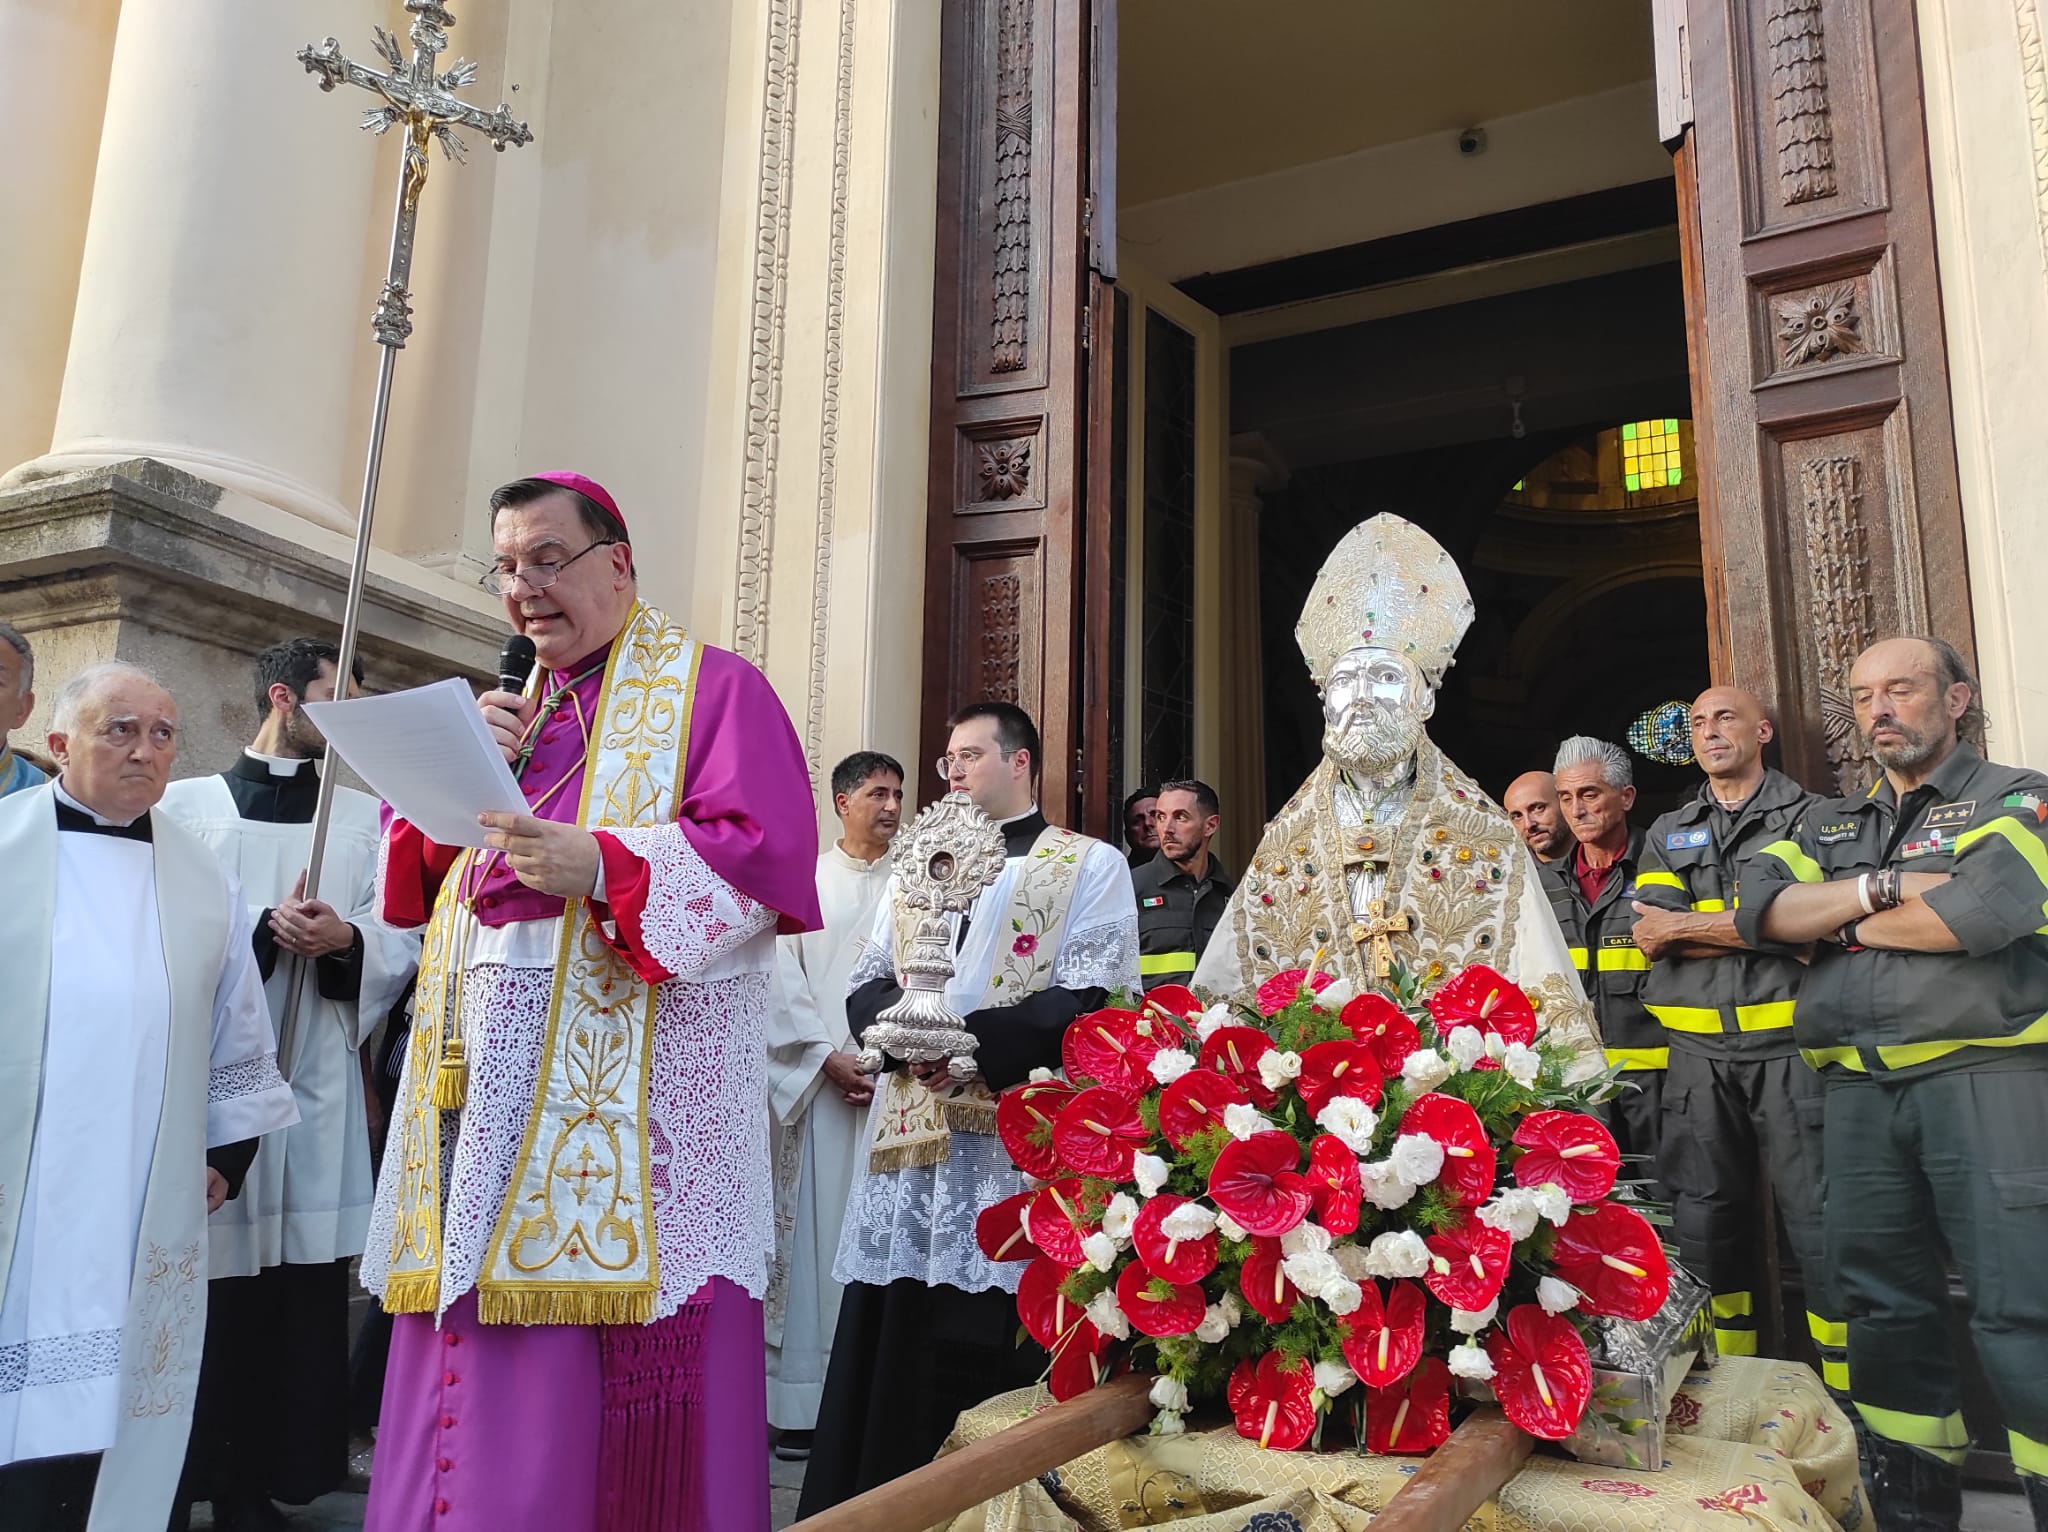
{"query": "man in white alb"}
[(133, 1039), (817, 1096)]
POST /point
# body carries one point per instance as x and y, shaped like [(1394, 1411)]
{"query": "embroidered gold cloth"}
[(574, 1241), (914, 1125), (1755, 1442)]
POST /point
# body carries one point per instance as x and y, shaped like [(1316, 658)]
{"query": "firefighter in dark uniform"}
[(1593, 891), (1183, 890), (1737, 1095), (1925, 1009)]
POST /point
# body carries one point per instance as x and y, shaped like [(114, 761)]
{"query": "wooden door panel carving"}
[(1829, 500)]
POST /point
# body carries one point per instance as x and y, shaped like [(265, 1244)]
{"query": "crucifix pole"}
[(422, 103)]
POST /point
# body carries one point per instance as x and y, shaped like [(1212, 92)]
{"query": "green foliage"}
[(1148, 1113), (1432, 1212), (1311, 1331), (1301, 1025), (1084, 1282), (1200, 1154)]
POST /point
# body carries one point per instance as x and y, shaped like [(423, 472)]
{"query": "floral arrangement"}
[(1288, 1206)]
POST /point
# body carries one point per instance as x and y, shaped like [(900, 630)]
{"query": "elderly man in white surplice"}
[(1389, 853)]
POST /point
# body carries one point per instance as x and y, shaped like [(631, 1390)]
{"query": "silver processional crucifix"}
[(423, 104)]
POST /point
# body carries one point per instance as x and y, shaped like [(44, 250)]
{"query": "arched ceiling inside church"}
[(1214, 91)]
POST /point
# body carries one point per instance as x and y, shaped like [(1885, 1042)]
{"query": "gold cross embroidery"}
[(1377, 929)]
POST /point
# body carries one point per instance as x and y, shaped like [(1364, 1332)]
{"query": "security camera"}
[(1472, 141)]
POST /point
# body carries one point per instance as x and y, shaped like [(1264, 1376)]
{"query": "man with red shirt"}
[(574, 1217), (1592, 891)]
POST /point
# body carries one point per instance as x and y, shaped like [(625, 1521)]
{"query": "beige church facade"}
[(730, 279)]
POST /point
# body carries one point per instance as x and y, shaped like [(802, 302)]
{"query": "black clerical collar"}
[(261, 794), (1021, 834), (72, 817)]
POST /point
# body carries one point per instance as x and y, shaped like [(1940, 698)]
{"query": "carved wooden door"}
[(1010, 598), (1828, 495)]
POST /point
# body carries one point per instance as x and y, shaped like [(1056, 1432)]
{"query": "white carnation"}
[(1191, 1220), (1150, 1172), (1523, 1064), (1513, 1213), (1351, 1260), (1214, 1020), (1556, 1295), (1041, 1076), (1417, 1158), (1214, 1327), (1496, 1046), (1553, 1202), (1398, 1254), (1243, 1119), (1233, 1311), (1169, 1064), (1334, 1377), (1229, 1227), (1335, 995), (1471, 1361), (1351, 1122), (1342, 1295), (1311, 1271), (1169, 1393), (1425, 1069), (1472, 1321), (1383, 1186), (1107, 1315), (1100, 1250), (1118, 1217), (1304, 1237), (1465, 1045), (1166, 1423), (1277, 1066)]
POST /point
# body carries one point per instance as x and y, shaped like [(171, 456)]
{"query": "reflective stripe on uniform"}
[(1640, 1058), (2028, 1455), (1710, 906), (1766, 1017), (1826, 1332), (1732, 1305), (1797, 862), (1578, 958), (1630, 959), (1660, 880), (1835, 1375), (1734, 1342), (2022, 840), (1848, 1058), (1901, 1055), (1943, 1435), (1150, 963)]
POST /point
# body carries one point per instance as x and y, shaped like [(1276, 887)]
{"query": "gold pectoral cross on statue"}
[(1378, 928)]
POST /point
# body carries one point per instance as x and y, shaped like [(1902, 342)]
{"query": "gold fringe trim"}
[(970, 1115), (412, 1292), (566, 1304), (907, 1154), (451, 1077)]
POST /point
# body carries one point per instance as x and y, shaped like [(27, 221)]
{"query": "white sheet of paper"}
[(427, 753)]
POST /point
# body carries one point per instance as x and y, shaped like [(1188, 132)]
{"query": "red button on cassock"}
[(444, 1464), (449, 1379), (440, 1508), (447, 1421)]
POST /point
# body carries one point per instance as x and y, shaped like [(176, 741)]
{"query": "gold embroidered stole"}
[(574, 1240), (1454, 868), (913, 1125)]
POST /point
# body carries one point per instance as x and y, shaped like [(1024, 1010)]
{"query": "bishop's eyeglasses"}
[(540, 576)]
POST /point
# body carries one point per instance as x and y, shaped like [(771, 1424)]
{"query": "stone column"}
[(54, 59), (223, 300), (1255, 470)]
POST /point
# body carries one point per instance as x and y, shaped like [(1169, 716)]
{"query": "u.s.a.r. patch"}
[(1835, 834)]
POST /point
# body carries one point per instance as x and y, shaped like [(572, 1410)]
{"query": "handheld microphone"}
[(515, 663)]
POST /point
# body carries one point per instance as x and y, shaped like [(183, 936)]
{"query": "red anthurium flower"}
[(1105, 1047), (1177, 999), (1468, 1152), (1057, 1222), (1024, 1119), (1467, 1262), (1571, 1148), (999, 1230), (1383, 1027), (1480, 997), (1412, 1416), (1383, 1341), (1257, 1181), (1264, 1285), (1157, 1306), (1099, 1132), (1611, 1255), (1341, 1068), (1278, 992), (1196, 1101), (1541, 1373), (1333, 1182), (1271, 1401), (1234, 1053), (1047, 1312), (1078, 1362), (1177, 1260)]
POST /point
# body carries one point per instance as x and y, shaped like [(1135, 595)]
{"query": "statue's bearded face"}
[(1375, 703)]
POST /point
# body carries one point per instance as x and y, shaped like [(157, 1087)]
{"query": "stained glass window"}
[(1650, 457)]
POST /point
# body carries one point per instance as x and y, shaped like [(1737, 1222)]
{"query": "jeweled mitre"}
[(1387, 585)]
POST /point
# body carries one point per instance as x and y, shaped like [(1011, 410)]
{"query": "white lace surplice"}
[(919, 1222), (707, 1125)]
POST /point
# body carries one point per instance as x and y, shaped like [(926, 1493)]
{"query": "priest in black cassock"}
[(928, 1324), (271, 1419)]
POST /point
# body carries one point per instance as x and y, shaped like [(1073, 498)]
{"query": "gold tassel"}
[(569, 1304), (451, 1075), (886, 1159), (970, 1114), (412, 1292)]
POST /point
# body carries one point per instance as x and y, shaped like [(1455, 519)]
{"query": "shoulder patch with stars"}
[(1834, 834), (1945, 815)]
